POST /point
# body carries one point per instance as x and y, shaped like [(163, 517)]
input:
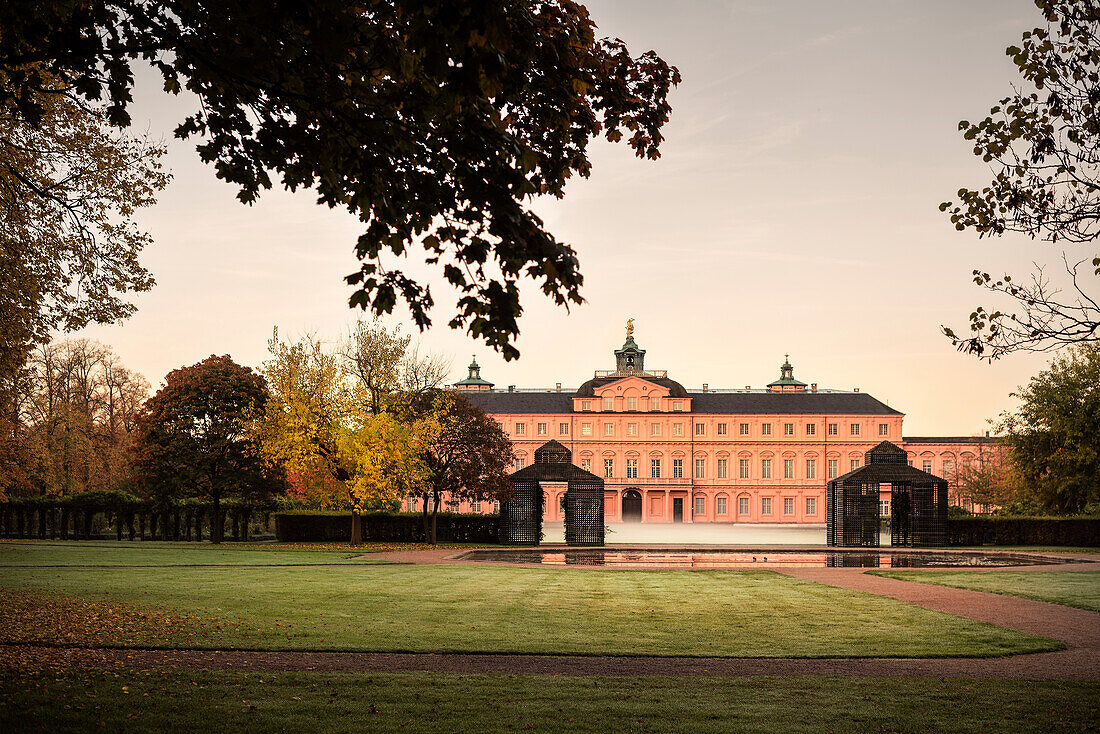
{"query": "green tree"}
[(1043, 146), (1055, 434), (434, 122), (193, 436), (466, 453)]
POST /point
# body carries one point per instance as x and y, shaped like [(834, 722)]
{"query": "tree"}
[(193, 435), (435, 123), (383, 363), (1055, 434), (1043, 146), (318, 427), (990, 479), (466, 454)]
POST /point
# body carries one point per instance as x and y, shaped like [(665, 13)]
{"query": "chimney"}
[(813, 387), (511, 388), (557, 386), (987, 434), (748, 387), (855, 389), (705, 386)]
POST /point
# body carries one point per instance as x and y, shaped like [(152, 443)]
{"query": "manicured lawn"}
[(93, 553), (1079, 589), (417, 702), (488, 609)]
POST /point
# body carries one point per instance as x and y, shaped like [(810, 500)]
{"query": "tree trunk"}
[(216, 521), (356, 528)]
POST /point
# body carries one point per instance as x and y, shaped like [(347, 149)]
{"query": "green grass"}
[(1079, 589), (418, 702), (93, 553), (521, 610)]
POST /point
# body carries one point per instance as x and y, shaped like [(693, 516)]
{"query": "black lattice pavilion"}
[(918, 502), (521, 512)]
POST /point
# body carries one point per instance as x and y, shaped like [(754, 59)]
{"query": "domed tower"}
[(630, 358), (786, 381), (473, 382)]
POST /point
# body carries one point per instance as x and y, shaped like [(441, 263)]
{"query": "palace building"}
[(669, 454)]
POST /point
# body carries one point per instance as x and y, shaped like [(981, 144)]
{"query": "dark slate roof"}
[(588, 389), (789, 403), (951, 439), (761, 403), (554, 473), (505, 403)]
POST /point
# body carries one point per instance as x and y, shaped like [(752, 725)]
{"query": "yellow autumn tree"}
[(316, 426)]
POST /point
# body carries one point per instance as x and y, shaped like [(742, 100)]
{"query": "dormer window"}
[(586, 405), (632, 403), (677, 405), (609, 403)]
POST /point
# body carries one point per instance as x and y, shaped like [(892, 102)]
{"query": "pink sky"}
[(794, 210)]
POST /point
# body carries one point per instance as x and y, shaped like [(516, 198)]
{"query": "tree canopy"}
[(1055, 433), (192, 437), (434, 122), (1042, 144)]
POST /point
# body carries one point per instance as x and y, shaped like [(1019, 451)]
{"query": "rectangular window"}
[(788, 429), (765, 429), (926, 465), (743, 468), (700, 468), (654, 429), (700, 429), (884, 507), (655, 404), (722, 429), (631, 468), (765, 468), (788, 505), (720, 506), (677, 429), (410, 504), (632, 429), (948, 469), (608, 468), (520, 463), (884, 429), (563, 429), (854, 429), (765, 505), (632, 403), (586, 464), (677, 468), (811, 429), (700, 505), (609, 429), (788, 468), (677, 406), (743, 505), (586, 429), (721, 469), (855, 463), (475, 506), (832, 468), (541, 429), (521, 429), (832, 429), (811, 505), (743, 429), (609, 403), (655, 468), (586, 405), (811, 468)]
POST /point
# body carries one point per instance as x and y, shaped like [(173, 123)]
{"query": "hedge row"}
[(993, 530), (79, 516), (385, 527)]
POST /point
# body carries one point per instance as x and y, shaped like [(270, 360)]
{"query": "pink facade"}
[(670, 455)]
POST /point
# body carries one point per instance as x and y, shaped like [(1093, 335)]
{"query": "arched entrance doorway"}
[(632, 506)]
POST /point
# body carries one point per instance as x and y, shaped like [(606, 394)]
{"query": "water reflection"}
[(748, 559)]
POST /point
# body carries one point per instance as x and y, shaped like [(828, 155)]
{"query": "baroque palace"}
[(668, 454)]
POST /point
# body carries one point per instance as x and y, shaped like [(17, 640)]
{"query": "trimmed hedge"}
[(297, 527), (77, 516), (994, 530)]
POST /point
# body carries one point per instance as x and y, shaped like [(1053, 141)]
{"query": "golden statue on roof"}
[(629, 328)]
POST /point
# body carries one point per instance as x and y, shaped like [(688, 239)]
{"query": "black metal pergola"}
[(918, 502), (521, 512)]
